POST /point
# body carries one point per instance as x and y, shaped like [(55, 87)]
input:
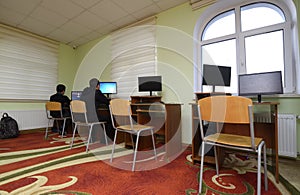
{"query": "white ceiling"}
[(75, 22)]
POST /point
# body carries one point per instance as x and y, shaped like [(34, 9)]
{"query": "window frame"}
[(290, 33)]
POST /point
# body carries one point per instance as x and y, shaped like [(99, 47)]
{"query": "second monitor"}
[(263, 83), (149, 83), (214, 75), (108, 88)]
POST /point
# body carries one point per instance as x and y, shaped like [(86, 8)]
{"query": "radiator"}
[(287, 135), (28, 119), (287, 132)]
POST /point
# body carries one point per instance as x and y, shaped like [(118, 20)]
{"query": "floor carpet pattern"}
[(31, 165)]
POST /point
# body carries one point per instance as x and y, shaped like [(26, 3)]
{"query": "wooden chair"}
[(234, 110), (57, 108), (79, 118), (121, 108)]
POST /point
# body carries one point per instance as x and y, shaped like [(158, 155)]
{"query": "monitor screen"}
[(260, 84), (150, 83), (75, 95), (216, 75), (108, 87)]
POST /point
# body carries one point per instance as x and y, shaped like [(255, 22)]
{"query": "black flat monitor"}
[(108, 88), (214, 75), (265, 83), (75, 95), (150, 83)]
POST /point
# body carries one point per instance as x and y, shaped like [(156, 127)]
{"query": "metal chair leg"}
[(105, 135), (132, 142), (63, 129), (57, 125), (201, 168), (73, 135), (259, 170), (113, 147), (89, 138), (153, 142), (46, 133), (216, 160), (135, 150), (265, 168)]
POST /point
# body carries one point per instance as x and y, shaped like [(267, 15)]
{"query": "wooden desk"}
[(166, 119), (145, 99), (200, 95), (268, 131)]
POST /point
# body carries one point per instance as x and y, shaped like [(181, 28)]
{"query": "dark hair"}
[(60, 88), (94, 82)]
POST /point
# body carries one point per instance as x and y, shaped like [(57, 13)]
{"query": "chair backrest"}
[(120, 111), (53, 108), (227, 109), (78, 111)]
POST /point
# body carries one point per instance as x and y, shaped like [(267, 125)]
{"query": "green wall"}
[(175, 59), (67, 67)]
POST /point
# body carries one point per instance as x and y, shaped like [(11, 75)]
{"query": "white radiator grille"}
[(28, 119), (263, 117), (287, 138)]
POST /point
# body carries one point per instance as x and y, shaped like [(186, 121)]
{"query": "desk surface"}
[(156, 103), (151, 111), (145, 96), (266, 103), (254, 103)]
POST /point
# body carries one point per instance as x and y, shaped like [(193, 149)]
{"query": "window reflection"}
[(264, 53), (223, 54), (223, 24), (260, 15)]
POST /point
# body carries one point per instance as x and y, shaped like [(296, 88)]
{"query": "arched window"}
[(250, 37)]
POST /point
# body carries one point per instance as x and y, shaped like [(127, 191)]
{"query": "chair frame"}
[(243, 114), (79, 107), (55, 106), (122, 108)]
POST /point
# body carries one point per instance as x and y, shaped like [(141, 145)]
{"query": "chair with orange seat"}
[(121, 108), (232, 110), (57, 108)]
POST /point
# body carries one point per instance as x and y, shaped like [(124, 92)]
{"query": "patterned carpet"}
[(31, 165)]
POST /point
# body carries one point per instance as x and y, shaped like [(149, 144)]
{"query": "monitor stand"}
[(259, 98), (214, 89)]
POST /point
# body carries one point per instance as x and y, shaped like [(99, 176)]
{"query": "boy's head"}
[(60, 88)]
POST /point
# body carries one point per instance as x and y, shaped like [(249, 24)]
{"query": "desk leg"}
[(274, 163), (269, 133), (275, 120)]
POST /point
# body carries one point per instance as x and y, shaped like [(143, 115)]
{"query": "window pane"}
[(223, 54), (223, 24), (265, 53), (260, 15)]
